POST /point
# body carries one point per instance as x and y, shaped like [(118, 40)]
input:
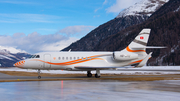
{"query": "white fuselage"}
[(70, 60), (133, 54)]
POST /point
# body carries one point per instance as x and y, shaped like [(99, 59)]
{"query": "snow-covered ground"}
[(156, 70)]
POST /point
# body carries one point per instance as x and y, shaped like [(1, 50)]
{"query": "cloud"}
[(96, 16), (35, 42), (120, 5), (76, 31), (59, 45), (105, 2), (30, 18), (17, 2), (46, 29), (97, 9)]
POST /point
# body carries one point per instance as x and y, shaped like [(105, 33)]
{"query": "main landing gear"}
[(89, 74), (97, 75), (39, 71)]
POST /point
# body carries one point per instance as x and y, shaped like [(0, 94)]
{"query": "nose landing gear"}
[(39, 71)]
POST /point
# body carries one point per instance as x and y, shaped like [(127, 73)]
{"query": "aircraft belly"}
[(58, 67)]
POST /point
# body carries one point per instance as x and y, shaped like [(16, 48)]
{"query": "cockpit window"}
[(34, 56), (30, 56), (37, 56)]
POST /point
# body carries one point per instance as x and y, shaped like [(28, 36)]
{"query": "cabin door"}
[(47, 58)]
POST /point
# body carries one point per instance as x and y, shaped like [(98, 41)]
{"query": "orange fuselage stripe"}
[(68, 63), (74, 61), (129, 50), (136, 61)]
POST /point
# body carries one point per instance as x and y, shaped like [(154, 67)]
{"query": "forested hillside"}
[(165, 24), (165, 31)]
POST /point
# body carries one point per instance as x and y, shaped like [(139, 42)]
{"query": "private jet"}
[(134, 54)]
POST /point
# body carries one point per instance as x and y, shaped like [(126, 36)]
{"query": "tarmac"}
[(78, 87), (90, 90), (10, 78)]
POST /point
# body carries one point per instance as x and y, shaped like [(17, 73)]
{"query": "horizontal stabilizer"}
[(148, 47)]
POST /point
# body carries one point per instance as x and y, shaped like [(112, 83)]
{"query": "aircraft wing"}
[(128, 68), (101, 68), (160, 70)]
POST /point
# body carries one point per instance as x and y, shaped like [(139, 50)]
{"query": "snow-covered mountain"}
[(134, 15), (10, 55), (144, 7), (11, 50)]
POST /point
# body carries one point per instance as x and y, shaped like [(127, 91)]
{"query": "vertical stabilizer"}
[(139, 42)]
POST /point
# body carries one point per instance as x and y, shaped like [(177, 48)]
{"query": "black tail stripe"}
[(140, 42), (144, 33)]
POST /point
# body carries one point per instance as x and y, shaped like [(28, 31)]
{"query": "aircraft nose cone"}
[(19, 64)]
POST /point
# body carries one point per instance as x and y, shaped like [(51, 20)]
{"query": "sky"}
[(51, 25)]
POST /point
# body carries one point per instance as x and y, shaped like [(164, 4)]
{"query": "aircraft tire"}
[(97, 76), (89, 75), (39, 77)]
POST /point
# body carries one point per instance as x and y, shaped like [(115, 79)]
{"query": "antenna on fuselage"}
[(69, 50)]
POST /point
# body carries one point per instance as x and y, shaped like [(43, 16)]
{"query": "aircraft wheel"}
[(89, 75), (97, 76), (39, 77)]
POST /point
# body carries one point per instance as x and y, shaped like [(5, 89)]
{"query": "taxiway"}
[(13, 78)]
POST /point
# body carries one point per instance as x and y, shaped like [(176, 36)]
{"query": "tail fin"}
[(140, 42)]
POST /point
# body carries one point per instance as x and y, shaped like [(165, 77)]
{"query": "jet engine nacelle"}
[(121, 56)]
